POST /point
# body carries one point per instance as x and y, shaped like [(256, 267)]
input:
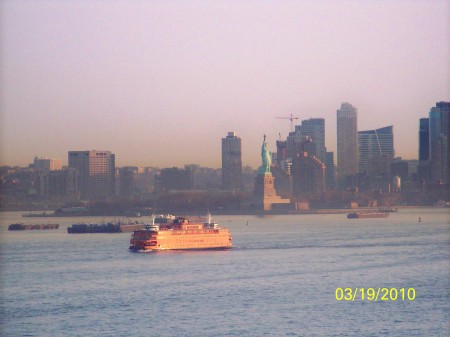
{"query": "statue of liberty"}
[(266, 157)]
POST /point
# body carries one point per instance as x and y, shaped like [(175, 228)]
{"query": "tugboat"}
[(181, 234)]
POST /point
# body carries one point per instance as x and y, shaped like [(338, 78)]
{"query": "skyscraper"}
[(347, 140), (96, 173), (375, 150), (231, 162), (424, 139), (439, 119)]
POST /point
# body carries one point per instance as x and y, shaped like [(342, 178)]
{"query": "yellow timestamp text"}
[(375, 294)]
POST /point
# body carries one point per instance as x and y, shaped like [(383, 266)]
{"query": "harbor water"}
[(285, 276)]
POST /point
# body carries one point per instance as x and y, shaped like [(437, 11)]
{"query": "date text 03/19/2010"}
[(375, 294)]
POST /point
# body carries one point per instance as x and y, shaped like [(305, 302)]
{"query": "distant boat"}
[(387, 210), (164, 218), (362, 215)]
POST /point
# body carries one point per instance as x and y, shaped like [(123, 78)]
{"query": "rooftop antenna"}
[(291, 118)]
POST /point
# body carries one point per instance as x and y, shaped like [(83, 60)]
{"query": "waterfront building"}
[(145, 180), (231, 162), (61, 184), (50, 164), (170, 179), (375, 150), (400, 168), (96, 171), (439, 121), (127, 181), (413, 166), (347, 141), (308, 175), (308, 172)]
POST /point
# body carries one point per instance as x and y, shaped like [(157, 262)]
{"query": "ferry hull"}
[(169, 240), (154, 250)]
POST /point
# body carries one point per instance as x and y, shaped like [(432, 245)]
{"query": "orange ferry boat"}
[(181, 234)]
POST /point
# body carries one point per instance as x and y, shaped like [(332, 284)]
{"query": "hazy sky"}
[(159, 83)]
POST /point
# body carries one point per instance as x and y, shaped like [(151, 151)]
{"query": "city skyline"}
[(159, 84)]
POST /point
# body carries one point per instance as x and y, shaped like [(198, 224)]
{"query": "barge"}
[(83, 228), (23, 227)]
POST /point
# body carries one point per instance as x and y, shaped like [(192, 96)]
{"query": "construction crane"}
[(291, 118)]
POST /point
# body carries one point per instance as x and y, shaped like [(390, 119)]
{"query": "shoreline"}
[(47, 214)]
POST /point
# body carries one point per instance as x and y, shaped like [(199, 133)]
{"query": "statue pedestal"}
[(265, 195)]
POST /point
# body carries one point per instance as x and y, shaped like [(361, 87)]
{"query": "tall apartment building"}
[(439, 123), (375, 150), (347, 140), (96, 173), (231, 162)]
